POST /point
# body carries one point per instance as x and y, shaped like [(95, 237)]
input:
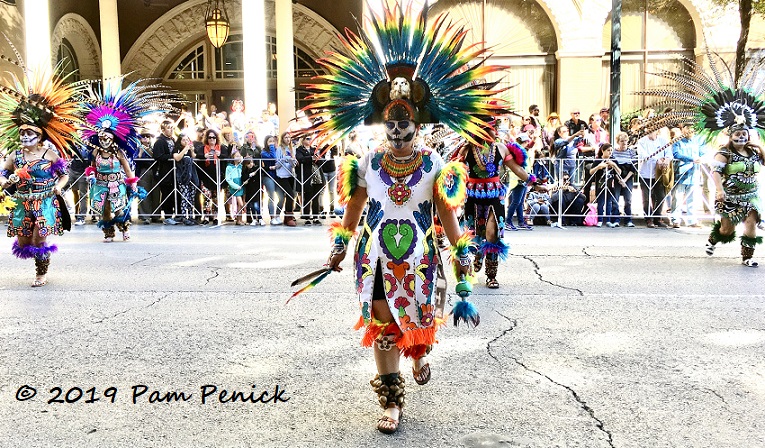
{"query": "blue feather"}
[(466, 312)]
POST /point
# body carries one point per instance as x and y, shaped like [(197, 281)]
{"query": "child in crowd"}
[(252, 187), (539, 202), (604, 170), (235, 188)]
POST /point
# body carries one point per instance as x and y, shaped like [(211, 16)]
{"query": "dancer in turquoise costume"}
[(712, 102), (38, 125), (113, 117), (401, 184)]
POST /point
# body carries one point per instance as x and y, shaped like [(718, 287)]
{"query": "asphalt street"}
[(181, 338)]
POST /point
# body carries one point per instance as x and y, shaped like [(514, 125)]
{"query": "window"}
[(192, 66), (229, 60), (67, 59)]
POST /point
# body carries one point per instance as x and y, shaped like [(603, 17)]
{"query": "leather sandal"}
[(388, 425), (422, 376), (492, 283)]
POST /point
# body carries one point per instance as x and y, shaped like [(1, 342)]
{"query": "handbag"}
[(665, 173), (591, 218)]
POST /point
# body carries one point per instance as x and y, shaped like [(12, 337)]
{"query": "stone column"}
[(110, 39), (285, 69), (254, 48), (37, 35)]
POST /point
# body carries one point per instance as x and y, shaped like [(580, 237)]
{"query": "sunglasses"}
[(575, 113), (212, 137)]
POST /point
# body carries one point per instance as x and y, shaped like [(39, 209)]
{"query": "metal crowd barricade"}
[(703, 187)]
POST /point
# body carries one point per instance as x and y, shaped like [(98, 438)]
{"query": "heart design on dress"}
[(398, 238)]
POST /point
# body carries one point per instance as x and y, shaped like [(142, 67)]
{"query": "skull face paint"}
[(105, 139), (740, 137), (29, 138), (399, 132)]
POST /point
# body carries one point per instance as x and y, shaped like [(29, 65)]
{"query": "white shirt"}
[(647, 148)]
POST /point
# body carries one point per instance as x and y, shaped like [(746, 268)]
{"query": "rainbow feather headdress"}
[(42, 100), (711, 101), (423, 68), (110, 107)]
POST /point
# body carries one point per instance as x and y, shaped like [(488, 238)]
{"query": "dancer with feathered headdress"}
[(38, 123), (421, 75), (112, 118), (712, 103), (484, 208)]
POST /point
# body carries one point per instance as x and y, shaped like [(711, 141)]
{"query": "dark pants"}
[(605, 200), (285, 183), (653, 197), (310, 199), (167, 196), (625, 191), (79, 186), (147, 205)]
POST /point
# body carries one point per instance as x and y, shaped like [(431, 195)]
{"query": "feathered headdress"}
[(109, 107), (421, 73), (711, 101), (42, 101)]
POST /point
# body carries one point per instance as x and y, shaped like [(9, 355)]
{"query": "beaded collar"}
[(398, 168)]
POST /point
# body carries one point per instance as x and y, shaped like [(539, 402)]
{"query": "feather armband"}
[(130, 181), (60, 166), (451, 184), (340, 237), (460, 253), (347, 179), (517, 154), (90, 171)]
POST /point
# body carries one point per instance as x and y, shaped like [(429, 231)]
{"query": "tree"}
[(746, 9)]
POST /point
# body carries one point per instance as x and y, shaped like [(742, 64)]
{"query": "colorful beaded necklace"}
[(398, 168), (484, 161)]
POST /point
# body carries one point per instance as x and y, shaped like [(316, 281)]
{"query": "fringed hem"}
[(750, 242), (408, 342), (27, 252), (718, 237), (418, 336), (451, 185)]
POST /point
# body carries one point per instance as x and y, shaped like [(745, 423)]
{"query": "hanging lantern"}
[(216, 22)]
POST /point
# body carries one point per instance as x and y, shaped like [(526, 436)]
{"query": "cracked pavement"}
[(596, 338)]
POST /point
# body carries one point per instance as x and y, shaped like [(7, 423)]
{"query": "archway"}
[(178, 30), (520, 35), (74, 34), (653, 38)]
